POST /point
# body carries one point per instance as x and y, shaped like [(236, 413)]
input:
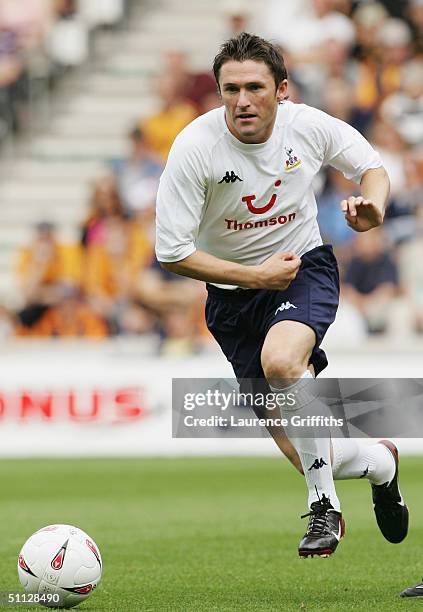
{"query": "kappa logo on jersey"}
[(292, 161), (230, 178), (318, 463), (285, 306)]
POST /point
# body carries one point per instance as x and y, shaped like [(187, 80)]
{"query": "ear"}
[(281, 90)]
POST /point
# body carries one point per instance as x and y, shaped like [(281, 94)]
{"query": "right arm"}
[(275, 273)]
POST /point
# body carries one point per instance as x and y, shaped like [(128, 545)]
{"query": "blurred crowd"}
[(360, 61), (40, 40), (109, 283)]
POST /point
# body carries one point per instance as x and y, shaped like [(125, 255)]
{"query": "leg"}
[(282, 441), (242, 349), (378, 463), (285, 355), (271, 353), (284, 445)]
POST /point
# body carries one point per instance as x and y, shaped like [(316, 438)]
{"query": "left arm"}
[(345, 149), (368, 210)]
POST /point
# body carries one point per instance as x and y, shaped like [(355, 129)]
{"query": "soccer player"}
[(236, 209)]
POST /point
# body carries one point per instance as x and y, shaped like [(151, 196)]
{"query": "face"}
[(251, 99)]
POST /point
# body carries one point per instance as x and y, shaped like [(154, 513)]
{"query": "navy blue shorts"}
[(240, 319)]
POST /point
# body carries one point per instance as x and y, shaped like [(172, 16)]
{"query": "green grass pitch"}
[(210, 534)]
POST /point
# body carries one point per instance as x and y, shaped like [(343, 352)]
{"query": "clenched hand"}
[(278, 271)]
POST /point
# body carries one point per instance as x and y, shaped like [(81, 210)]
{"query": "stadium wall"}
[(109, 400)]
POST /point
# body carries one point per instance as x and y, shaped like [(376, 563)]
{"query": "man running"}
[(236, 209)]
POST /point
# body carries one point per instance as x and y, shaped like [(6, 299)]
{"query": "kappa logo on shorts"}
[(285, 306), (230, 178)]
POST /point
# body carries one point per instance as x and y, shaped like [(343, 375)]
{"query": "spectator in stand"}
[(338, 101), (43, 267), (332, 63), (199, 88), (411, 270), (70, 317), (112, 267), (331, 220), (68, 41), (319, 44), (138, 172), (236, 19), (368, 19), (274, 15), (143, 216), (393, 150), (117, 248), (402, 169), (135, 319), (30, 23), (13, 79), (404, 108), (395, 49), (105, 203), (415, 15), (379, 70), (371, 280), (24, 27), (8, 323), (180, 333), (396, 8), (317, 22), (179, 305), (175, 113), (161, 290)]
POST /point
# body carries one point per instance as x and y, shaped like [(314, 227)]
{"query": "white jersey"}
[(244, 202)]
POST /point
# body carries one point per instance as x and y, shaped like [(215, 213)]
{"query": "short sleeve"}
[(343, 147), (180, 202)]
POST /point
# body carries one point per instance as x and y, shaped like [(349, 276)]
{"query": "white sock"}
[(314, 453), (354, 458)]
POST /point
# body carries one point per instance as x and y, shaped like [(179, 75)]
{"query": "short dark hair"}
[(251, 47)]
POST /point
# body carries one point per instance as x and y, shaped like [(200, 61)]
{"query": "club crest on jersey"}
[(292, 160)]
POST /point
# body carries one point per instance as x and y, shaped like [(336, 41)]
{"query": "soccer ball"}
[(60, 566)]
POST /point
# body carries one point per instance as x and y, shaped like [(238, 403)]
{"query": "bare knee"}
[(282, 364)]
